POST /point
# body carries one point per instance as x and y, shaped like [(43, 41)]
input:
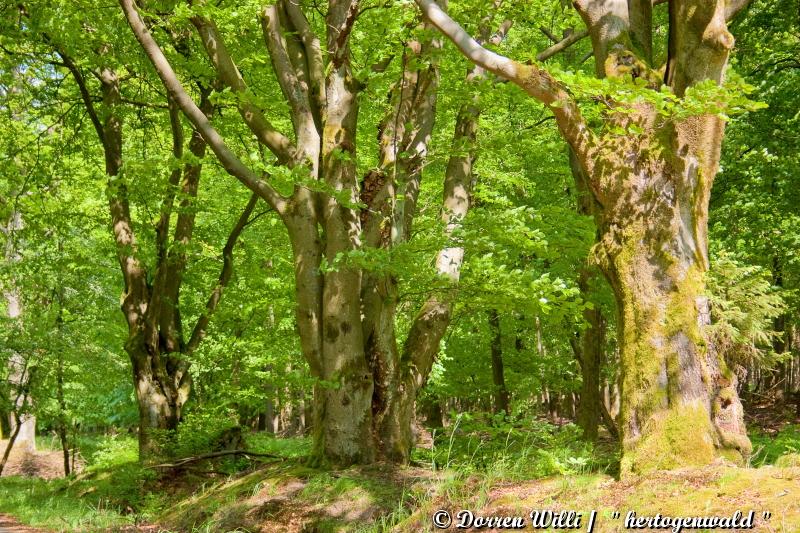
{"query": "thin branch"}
[(138, 103), (201, 326), (562, 45), (214, 455), (733, 7), (550, 35), (85, 96)]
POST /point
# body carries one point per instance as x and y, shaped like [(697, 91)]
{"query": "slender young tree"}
[(679, 400)]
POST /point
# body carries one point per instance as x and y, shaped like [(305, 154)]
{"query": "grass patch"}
[(768, 449), (528, 449)]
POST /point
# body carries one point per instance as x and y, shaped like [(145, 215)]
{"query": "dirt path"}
[(42, 464), (9, 525)]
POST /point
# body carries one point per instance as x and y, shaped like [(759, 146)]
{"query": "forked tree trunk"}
[(344, 353), (159, 353)]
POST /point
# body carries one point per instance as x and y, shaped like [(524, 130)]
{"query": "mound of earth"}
[(290, 499)]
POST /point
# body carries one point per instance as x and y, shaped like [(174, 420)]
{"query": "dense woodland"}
[(535, 238)]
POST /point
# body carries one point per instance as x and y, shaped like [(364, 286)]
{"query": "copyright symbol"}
[(441, 519)]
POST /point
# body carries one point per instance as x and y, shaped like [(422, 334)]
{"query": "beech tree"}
[(679, 400), (158, 344), (367, 380)]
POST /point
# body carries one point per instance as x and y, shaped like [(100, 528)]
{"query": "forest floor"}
[(10, 525), (486, 469), (288, 499), (44, 464)]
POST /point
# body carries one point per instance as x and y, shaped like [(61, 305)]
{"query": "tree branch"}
[(292, 74), (217, 52), (213, 455), (85, 96), (562, 45), (733, 7), (201, 326), (227, 158), (311, 43), (535, 81)]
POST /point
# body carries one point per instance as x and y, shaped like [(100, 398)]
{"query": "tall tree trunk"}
[(320, 90), (62, 425), (150, 302), (591, 358), (679, 400), (432, 320), (501, 404), (592, 339), (343, 397)]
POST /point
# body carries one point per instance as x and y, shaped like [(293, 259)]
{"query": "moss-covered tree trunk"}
[(679, 400)]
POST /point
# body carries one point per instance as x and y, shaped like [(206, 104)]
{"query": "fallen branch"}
[(188, 460)]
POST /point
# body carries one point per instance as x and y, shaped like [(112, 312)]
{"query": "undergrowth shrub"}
[(514, 448), (767, 449)]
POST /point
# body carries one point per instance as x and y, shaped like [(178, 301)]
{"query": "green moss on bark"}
[(673, 438)]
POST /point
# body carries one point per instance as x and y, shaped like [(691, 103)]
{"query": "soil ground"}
[(9, 525), (43, 464)]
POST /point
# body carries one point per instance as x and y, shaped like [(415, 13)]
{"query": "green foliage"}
[(106, 453), (525, 246), (516, 449), (626, 93), (200, 431), (769, 448), (744, 306)]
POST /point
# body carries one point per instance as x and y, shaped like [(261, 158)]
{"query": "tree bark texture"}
[(590, 351)]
